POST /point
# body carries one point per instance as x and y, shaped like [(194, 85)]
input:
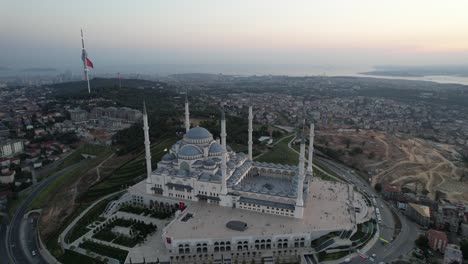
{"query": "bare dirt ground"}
[(401, 160)]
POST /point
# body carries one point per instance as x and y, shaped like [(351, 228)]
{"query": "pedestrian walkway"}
[(65, 232)]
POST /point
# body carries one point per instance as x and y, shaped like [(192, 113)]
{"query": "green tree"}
[(378, 187), (422, 242), (464, 248)]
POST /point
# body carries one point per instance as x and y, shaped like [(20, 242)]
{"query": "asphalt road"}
[(21, 240), (398, 246)]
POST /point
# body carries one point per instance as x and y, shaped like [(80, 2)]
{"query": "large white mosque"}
[(200, 168), (233, 208)]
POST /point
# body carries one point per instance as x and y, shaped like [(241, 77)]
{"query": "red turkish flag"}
[(89, 63)]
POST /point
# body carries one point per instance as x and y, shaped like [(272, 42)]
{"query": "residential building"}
[(421, 214), (453, 254), (11, 147), (437, 240), (391, 192), (7, 177)]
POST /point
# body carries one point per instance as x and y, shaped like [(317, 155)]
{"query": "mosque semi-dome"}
[(168, 157), (190, 152), (215, 149)]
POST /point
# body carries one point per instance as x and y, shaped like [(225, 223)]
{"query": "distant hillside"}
[(70, 88)]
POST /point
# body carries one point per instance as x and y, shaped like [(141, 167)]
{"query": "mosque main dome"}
[(198, 135)]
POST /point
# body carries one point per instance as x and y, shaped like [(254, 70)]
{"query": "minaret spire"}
[(311, 148), (187, 113), (223, 129), (301, 173), (224, 159), (250, 130), (147, 144)]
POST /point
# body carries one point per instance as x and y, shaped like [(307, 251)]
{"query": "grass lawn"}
[(239, 147), (281, 153), (76, 157), (67, 178), (323, 167), (72, 257), (323, 176), (126, 174), (15, 203)]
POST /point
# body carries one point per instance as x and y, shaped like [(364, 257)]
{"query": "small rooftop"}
[(421, 209), (437, 234)]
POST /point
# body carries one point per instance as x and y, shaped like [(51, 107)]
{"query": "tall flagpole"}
[(84, 55)]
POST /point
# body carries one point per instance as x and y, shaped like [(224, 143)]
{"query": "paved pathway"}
[(70, 226)]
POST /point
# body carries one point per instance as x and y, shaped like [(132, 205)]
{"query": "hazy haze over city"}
[(229, 132), (131, 36)]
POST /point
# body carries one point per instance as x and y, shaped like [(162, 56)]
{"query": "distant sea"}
[(230, 69), (277, 69), (431, 78)]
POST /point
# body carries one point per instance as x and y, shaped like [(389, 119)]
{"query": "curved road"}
[(21, 238), (398, 246)]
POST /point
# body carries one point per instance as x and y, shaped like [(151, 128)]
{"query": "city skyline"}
[(355, 34)]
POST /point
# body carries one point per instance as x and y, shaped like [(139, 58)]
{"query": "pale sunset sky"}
[(46, 33)]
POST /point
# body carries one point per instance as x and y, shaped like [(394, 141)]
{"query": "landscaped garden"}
[(364, 233), (104, 250), (93, 215), (319, 241), (138, 231), (72, 257), (160, 212)]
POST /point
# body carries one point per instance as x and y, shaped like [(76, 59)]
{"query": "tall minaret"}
[(223, 129), (224, 159), (301, 176), (187, 113), (311, 148), (250, 131), (147, 144)]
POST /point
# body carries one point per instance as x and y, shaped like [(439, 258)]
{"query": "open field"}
[(280, 153), (71, 199), (405, 161), (125, 174), (68, 178)]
